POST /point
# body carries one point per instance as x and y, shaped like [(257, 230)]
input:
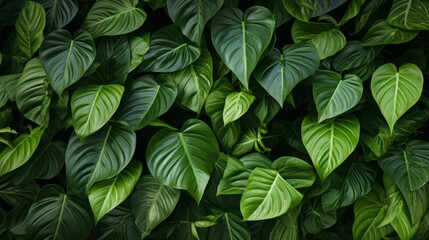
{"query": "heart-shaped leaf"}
[(383, 33), (236, 105), (93, 105), (66, 57), (58, 13), (396, 90), (279, 72), (334, 94), (409, 14), (185, 159), (329, 144), (241, 38)]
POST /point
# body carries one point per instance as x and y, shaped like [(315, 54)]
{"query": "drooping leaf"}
[(66, 57), (101, 156), (148, 98), (329, 144), (236, 105), (92, 106), (241, 38), (152, 203), (113, 17), (139, 45), (297, 172), (279, 72), (409, 14), (396, 90), (192, 15), (334, 94), (185, 159), (58, 13), (383, 33)]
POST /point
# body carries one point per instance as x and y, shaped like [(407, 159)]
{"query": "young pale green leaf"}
[(382, 33), (316, 218), (194, 82), (148, 98), (267, 195), (335, 95), (354, 55), (33, 94), (396, 90), (113, 17), (352, 10), (192, 15), (329, 144), (169, 51), (139, 45), (152, 203), (236, 105), (92, 107), (101, 156), (326, 37), (279, 72), (241, 38), (108, 194), (409, 14), (185, 159), (66, 57), (29, 28), (55, 215), (58, 13), (369, 213), (23, 148), (297, 172)]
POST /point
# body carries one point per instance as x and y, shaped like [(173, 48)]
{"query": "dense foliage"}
[(214, 119)]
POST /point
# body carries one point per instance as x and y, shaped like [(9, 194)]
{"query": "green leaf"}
[(55, 215), (155, 4), (329, 144), (194, 82), (367, 11), (185, 159), (316, 218), (18, 195), (334, 94), (277, 8), (409, 124), (108, 194), (66, 57), (396, 90), (327, 39), (169, 51), (148, 98), (305, 9), (9, 83), (118, 224), (267, 195), (383, 33), (152, 203), (230, 227), (236, 105), (58, 13), (139, 45), (92, 106), (351, 11), (241, 38), (101, 156), (279, 72), (192, 15), (409, 14), (23, 148), (354, 55), (29, 28), (33, 94), (113, 17), (369, 213), (287, 226), (297, 172)]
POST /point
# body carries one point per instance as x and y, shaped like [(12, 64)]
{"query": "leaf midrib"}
[(243, 34), (100, 156), (110, 17), (188, 157), (60, 217)]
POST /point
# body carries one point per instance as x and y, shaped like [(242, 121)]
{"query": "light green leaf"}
[(58, 13), (113, 17), (29, 28), (101, 156), (148, 98), (410, 14), (383, 33), (139, 45), (267, 195), (352, 10), (329, 144), (185, 159), (66, 57), (279, 72), (241, 38), (108, 194), (327, 39), (152, 203), (396, 90), (33, 93), (236, 105), (297, 172), (23, 148), (192, 15), (334, 94), (92, 106)]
